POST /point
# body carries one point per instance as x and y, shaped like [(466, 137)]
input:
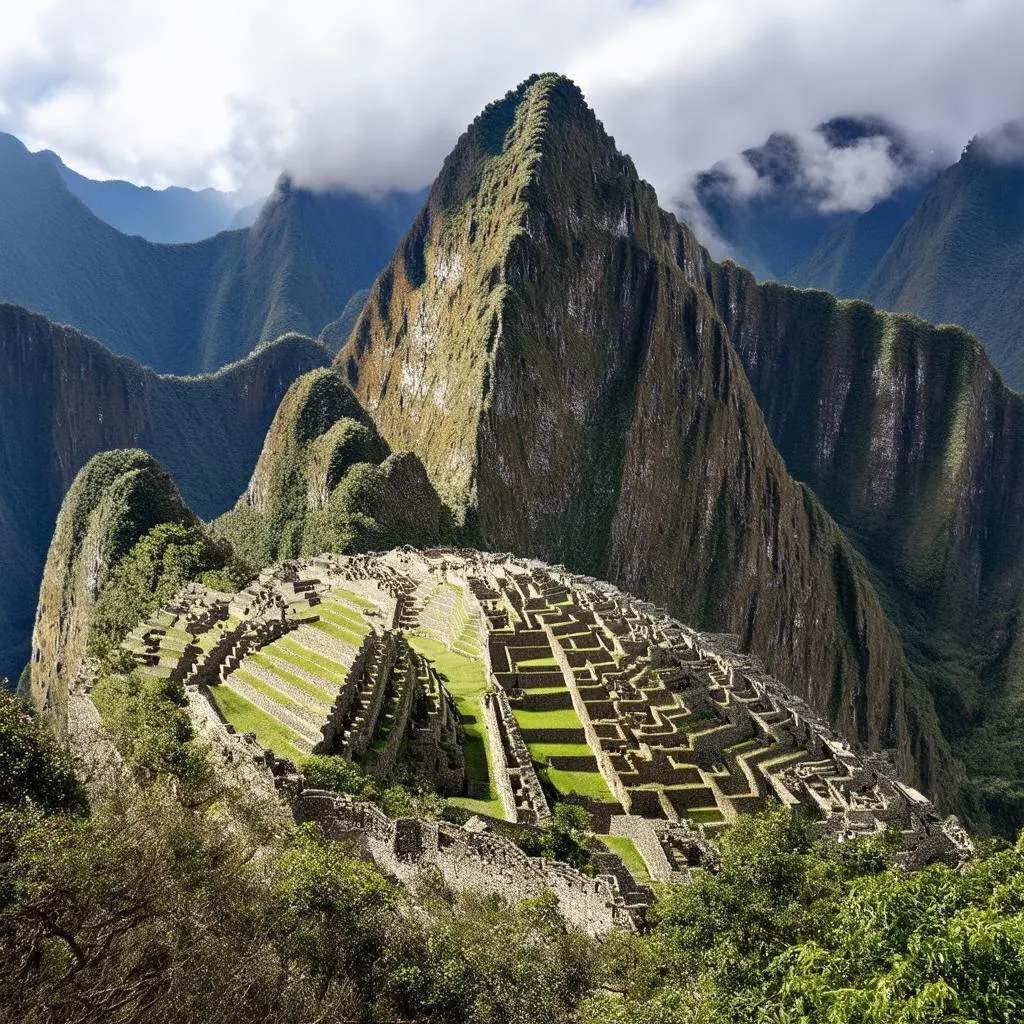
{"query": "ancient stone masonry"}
[(662, 733), (470, 859), (321, 660), (523, 797)]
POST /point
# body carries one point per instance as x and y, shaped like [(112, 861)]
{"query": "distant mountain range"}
[(188, 308), (172, 214), (948, 245)]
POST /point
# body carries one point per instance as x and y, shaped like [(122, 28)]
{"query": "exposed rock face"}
[(544, 340), (64, 397), (115, 499), (326, 481), (909, 437)]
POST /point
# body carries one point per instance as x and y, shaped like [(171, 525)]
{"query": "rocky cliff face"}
[(545, 341), (64, 397), (115, 499), (960, 257), (916, 446), (327, 481), (188, 308)]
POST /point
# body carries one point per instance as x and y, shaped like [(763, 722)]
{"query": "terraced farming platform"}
[(515, 685)]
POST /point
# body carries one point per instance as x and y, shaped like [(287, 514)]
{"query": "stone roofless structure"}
[(662, 733)]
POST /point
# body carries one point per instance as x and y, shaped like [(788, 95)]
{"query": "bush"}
[(155, 569), (34, 770), (146, 718)]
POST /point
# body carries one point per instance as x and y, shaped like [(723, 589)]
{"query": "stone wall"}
[(528, 798), (407, 848)]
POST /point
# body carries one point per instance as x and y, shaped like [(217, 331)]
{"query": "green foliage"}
[(475, 960), (158, 566), (150, 911), (34, 770), (411, 797), (146, 718), (797, 930), (335, 911), (567, 838)]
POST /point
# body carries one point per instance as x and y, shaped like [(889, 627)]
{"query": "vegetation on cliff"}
[(544, 340), (326, 481), (64, 397)]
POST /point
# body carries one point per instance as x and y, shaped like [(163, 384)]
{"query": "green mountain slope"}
[(64, 397), (116, 498), (960, 257), (847, 253), (543, 340), (916, 446), (188, 308), (327, 481)]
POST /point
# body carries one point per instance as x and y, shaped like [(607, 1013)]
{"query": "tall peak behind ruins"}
[(544, 340)]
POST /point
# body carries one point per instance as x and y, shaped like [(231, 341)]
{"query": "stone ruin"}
[(681, 730)]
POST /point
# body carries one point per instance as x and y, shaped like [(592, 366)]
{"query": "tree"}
[(34, 770)]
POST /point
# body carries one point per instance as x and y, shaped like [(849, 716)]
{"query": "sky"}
[(372, 95)]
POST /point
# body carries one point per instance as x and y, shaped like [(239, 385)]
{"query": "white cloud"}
[(373, 95)]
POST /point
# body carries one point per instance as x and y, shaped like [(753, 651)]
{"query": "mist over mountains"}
[(904, 230), (189, 308)]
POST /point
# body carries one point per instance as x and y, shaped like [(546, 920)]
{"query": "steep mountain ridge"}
[(116, 498), (960, 257), (326, 481), (64, 397), (188, 308), (947, 245), (913, 442), (544, 341)]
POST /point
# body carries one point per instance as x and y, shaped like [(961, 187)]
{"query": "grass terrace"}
[(246, 717), (623, 846), (465, 680), (562, 719), (588, 784), (355, 600)]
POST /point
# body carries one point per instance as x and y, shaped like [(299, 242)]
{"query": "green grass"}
[(705, 815), (537, 663), (318, 694), (563, 719), (545, 751), (332, 676), (344, 617), (266, 689), (356, 599), (465, 680), (589, 784), (325, 626), (246, 717), (326, 665), (623, 846)]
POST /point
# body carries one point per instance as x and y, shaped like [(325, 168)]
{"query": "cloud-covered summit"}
[(372, 96)]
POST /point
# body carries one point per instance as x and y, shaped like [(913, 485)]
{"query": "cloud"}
[(372, 96), (1004, 144)]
